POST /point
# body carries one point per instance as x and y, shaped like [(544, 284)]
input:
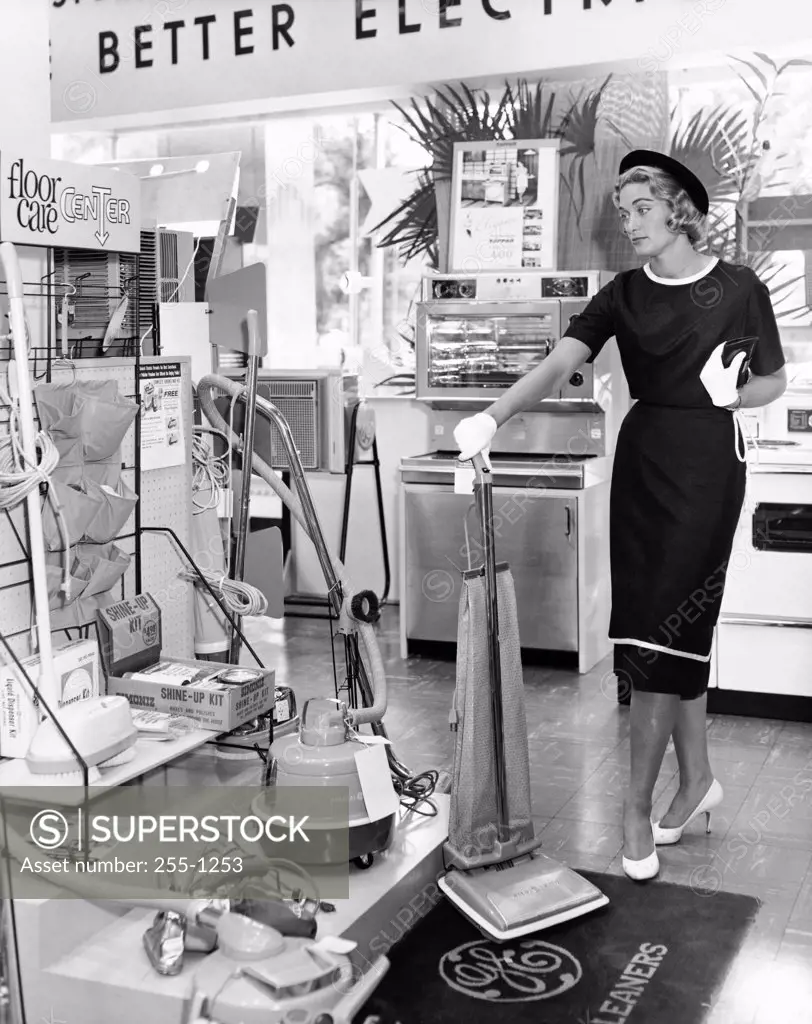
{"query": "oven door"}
[(477, 350), (540, 546), (782, 526)]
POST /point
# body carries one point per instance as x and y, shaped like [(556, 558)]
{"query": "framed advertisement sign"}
[(504, 205)]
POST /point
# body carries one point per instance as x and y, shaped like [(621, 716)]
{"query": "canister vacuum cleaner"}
[(325, 748), (498, 878)]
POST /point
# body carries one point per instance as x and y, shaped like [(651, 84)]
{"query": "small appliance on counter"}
[(763, 649), (477, 334)]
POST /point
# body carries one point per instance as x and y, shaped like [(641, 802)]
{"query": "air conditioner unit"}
[(175, 253), (161, 272), (317, 405)]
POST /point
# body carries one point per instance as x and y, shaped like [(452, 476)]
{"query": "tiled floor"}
[(761, 843)]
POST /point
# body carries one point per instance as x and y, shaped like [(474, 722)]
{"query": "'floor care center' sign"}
[(73, 206)]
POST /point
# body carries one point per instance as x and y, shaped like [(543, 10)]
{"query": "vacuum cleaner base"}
[(507, 901)]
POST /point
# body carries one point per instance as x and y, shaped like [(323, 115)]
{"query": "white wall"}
[(25, 103)]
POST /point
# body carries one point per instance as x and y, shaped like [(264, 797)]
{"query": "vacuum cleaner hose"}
[(366, 606), (302, 509)]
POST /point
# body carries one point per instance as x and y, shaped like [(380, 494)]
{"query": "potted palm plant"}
[(460, 114)]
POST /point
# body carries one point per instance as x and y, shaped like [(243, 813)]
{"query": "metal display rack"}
[(81, 355)]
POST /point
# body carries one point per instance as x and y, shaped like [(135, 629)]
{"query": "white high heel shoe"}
[(669, 836), (642, 870)]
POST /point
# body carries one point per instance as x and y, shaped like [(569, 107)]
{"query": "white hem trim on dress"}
[(659, 647), (680, 280)]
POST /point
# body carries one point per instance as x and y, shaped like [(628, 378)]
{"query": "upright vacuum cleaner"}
[(498, 877)]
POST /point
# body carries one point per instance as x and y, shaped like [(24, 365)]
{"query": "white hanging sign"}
[(112, 58), (72, 206)]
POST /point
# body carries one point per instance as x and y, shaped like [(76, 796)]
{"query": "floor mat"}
[(658, 953)]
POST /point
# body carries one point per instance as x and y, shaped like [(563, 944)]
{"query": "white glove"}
[(474, 435), (720, 380)]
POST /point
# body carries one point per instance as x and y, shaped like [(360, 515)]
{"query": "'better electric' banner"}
[(118, 57)]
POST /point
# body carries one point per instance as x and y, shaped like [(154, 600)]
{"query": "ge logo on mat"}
[(520, 973)]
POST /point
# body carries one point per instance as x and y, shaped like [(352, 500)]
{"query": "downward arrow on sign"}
[(102, 238)]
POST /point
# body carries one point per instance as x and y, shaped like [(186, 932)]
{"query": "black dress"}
[(679, 474)]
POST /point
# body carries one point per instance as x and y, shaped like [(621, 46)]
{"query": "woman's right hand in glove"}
[(474, 435)]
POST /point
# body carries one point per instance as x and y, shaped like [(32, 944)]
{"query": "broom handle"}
[(485, 499)]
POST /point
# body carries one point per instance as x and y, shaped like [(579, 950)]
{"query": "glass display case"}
[(486, 351), (477, 334), (478, 350)]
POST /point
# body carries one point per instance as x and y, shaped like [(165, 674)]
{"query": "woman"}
[(679, 471)]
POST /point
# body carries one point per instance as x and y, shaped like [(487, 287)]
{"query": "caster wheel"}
[(364, 862)]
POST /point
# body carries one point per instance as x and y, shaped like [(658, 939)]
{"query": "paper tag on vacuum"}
[(376, 782), (364, 738), (463, 480), (225, 504)]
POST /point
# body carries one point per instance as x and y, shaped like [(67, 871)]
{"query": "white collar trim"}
[(680, 280)]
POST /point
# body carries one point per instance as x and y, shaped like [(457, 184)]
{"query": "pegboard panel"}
[(164, 501)]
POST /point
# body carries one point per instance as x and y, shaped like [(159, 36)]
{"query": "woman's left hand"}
[(720, 380)]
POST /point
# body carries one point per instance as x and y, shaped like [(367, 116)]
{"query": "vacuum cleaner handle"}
[(484, 489), (481, 468), (485, 505)]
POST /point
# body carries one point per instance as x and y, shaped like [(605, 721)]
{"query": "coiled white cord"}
[(240, 598), (19, 477), (210, 474)]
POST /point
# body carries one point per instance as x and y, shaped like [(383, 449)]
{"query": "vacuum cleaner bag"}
[(473, 804)]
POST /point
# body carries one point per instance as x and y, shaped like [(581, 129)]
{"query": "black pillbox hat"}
[(689, 181)]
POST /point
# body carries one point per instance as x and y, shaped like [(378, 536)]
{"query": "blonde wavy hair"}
[(685, 218)]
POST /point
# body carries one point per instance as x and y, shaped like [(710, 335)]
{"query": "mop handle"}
[(14, 283), (485, 499), (256, 349)]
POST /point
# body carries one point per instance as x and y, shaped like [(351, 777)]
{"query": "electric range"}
[(530, 471)]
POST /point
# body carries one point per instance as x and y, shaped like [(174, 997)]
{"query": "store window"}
[(705, 100), (363, 294)]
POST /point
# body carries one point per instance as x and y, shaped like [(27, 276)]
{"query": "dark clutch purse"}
[(732, 348)]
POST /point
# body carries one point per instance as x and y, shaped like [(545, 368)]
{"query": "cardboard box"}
[(78, 678), (130, 633)]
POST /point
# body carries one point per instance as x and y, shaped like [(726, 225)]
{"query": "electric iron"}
[(499, 878), (255, 973)]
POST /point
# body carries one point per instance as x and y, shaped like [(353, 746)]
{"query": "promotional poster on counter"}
[(504, 205)]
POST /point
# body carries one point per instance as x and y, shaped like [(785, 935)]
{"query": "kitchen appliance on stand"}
[(763, 646), (476, 335)]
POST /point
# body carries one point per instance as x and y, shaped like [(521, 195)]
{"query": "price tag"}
[(463, 480), (376, 781), (225, 505), (281, 710)]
